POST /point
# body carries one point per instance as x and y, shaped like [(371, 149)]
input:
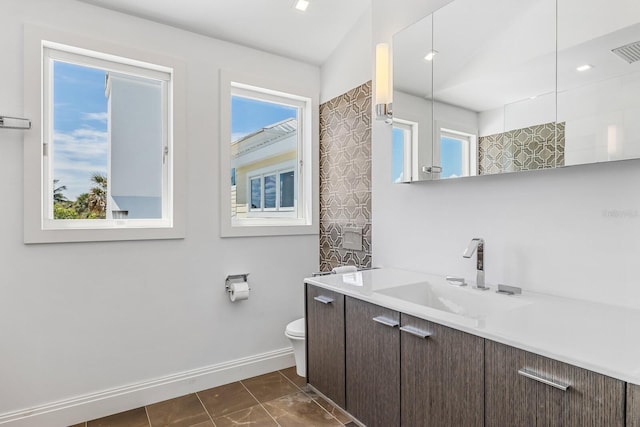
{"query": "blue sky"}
[(249, 115), (80, 126), (397, 155), (450, 156)]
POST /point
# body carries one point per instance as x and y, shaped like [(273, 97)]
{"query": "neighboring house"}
[(264, 173), (135, 147)]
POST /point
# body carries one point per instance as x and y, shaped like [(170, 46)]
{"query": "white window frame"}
[(305, 221), (410, 131), (41, 46), (468, 136)]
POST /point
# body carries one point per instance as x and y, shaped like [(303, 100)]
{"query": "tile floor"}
[(279, 398)]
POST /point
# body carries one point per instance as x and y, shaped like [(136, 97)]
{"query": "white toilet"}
[(295, 332)]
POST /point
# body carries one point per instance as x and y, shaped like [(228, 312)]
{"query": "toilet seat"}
[(296, 328)]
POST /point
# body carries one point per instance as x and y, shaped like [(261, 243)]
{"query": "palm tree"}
[(97, 202), (58, 197), (81, 205)]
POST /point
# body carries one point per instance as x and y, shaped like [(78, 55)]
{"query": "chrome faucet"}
[(477, 244)]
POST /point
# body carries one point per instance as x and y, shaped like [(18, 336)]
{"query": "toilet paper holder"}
[(232, 278)]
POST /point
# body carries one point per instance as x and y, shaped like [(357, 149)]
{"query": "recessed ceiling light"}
[(584, 67), (429, 56), (302, 5)]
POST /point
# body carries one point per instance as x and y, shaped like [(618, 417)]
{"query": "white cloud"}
[(76, 156), (99, 117)]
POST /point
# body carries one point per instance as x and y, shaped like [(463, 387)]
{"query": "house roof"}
[(264, 137)]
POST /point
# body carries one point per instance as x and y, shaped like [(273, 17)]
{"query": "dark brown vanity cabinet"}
[(373, 363), (326, 342), (390, 369), (633, 405), (525, 389), (442, 375), (402, 370)]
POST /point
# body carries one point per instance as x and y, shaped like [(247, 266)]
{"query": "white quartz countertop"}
[(601, 338)]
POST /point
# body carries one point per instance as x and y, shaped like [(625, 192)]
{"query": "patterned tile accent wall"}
[(345, 177), (535, 147)]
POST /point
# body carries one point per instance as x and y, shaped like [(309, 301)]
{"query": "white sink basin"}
[(463, 301)]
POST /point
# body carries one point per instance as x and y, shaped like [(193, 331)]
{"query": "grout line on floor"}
[(312, 399), (205, 409), (323, 408), (291, 381), (260, 403), (147, 414)]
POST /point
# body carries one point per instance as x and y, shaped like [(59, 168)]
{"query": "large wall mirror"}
[(494, 86)]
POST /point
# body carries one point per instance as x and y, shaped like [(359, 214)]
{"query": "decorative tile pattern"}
[(535, 147), (345, 176)]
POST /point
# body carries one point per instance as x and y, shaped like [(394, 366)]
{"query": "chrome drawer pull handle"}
[(324, 299), (529, 374), (386, 321), (415, 331)]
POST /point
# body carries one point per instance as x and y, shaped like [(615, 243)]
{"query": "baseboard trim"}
[(95, 405)]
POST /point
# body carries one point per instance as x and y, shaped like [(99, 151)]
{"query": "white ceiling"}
[(270, 25)]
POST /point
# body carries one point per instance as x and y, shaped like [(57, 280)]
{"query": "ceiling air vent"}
[(629, 52)]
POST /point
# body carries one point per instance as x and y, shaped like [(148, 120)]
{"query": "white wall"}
[(85, 318), (518, 115), (350, 64), (572, 231)]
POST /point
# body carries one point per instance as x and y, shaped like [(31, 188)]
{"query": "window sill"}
[(255, 227)]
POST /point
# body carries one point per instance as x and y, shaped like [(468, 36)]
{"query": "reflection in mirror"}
[(412, 101), (494, 80), (405, 135), (599, 79), (507, 95)]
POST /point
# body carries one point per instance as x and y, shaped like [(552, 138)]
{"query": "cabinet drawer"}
[(442, 375), (325, 342), (373, 363), (523, 388), (633, 405)]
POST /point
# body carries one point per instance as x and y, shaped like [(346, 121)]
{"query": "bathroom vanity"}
[(394, 348)]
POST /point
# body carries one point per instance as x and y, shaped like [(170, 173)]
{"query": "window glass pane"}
[(256, 196), (135, 145), (108, 137), (270, 192), (80, 142), (287, 189), (397, 155), (451, 157), (264, 140)]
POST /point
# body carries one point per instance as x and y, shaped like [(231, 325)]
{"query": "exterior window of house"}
[(107, 149), (107, 164), (265, 147), (269, 138), (272, 192)]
